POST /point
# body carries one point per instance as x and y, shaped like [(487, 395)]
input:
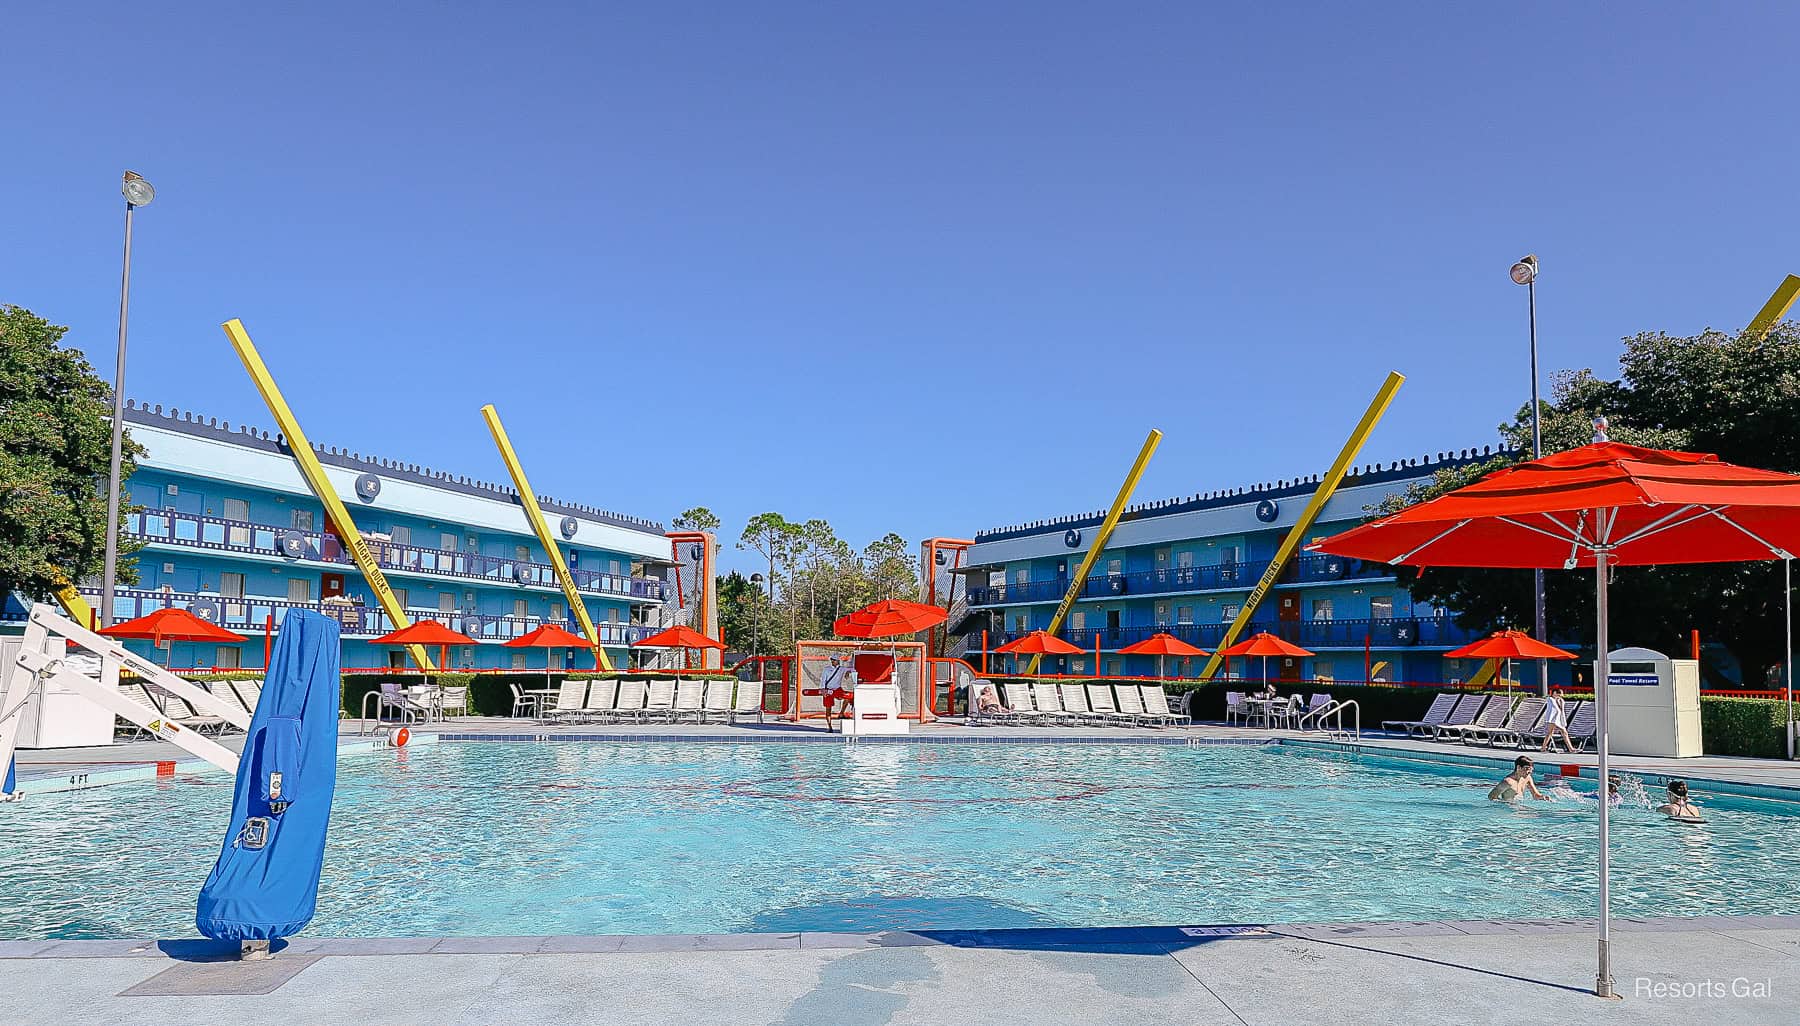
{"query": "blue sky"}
[(789, 234)]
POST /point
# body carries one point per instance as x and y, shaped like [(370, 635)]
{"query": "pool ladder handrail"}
[(1315, 720), (407, 716)]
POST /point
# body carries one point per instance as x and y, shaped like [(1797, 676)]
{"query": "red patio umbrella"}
[(1164, 645), (889, 618), (1264, 644), (425, 632), (548, 636), (679, 636), (1600, 506), (1037, 643), (1508, 645), (171, 625)]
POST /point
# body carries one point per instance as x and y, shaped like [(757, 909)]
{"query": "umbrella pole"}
[(1603, 982)]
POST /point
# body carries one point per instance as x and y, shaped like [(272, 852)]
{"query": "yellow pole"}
[(314, 473), (72, 602), (1775, 308), (1328, 485), (1100, 538), (534, 516)]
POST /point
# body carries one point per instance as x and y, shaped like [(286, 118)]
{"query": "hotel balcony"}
[(1317, 635), (163, 527), (1308, 569), (249, 614)]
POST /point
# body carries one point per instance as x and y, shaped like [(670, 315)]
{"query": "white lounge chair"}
[(453, 701), (1049, 703), (661, 703), (689, 693), (1100, 701), (569, 700), (1131, 707), (631, 701), (248, 692), (1582, 723), (1491, 716), (1156, 703), (718, 699), (1466, 709), (601, 696), (1438, 713), (1018, 699), (747, 699), (1523, 717), (1075, 703)]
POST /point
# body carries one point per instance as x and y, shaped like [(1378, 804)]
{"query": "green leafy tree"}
[(890, 568), (745, 616), (55, 445), (1731, 395), (699, 518)]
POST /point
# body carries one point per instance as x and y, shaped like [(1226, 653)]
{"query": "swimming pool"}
[(595, 838)]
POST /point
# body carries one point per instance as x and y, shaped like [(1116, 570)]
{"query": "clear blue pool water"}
[(592, 838)]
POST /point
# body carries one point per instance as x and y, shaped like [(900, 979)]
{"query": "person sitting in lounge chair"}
[(1678, 807), (1518, 783), (989, 702)]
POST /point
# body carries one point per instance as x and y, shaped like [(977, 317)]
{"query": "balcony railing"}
[(1308, 569), (248, 614), (170, 527), (1390, 632)]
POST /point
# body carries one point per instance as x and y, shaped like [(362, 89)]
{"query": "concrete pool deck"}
[(74, 768), (1718, 970)]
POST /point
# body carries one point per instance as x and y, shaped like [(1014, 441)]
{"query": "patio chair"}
[(183, 713), (1466, 709), (1049, 703), (1104, 709), (1156, 703), (689, 693), (718, 699), (600, 698), (1492, 715), (453, 701), (1523, 717), (1284, 715), (661, 703), (1235, 708), (1438, 713), (1131, 707), (569, 700), (747, 699), (523, 705), (631, 701)]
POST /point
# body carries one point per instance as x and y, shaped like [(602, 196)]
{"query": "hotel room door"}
[(331, 586)]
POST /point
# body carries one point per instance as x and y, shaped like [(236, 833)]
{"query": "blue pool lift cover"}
[(267, 881)]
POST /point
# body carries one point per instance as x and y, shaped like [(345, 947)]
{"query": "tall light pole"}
[(755, 620), (1525, 273), (138, 193)]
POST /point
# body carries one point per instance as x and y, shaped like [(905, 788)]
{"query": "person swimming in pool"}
[(1518, 783), (1678, 806)]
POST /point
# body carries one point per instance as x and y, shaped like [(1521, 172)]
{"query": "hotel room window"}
[(303, 519), (239, 511), (1078, 620), (401, 534), (299, 589), (1381, 607), (1321, 609), (1019, 623), (447, 602), (227, 657), (447, 542), (518, 660), (1184, 614), (522, 553), (1227, 613), (519, 607), (1115, 567)]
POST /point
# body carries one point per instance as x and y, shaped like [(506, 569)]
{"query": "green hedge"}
[(1744, 726)]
